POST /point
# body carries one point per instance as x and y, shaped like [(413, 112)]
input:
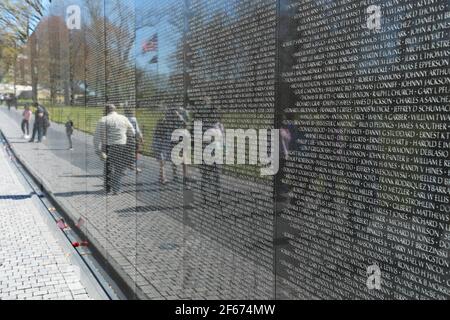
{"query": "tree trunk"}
[(34, 75)]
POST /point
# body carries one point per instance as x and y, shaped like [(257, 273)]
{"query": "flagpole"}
[(157, 57)]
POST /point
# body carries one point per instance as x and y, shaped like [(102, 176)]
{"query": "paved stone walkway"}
[(33, 263), (164, 249)]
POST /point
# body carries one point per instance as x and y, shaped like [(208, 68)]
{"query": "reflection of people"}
[(40, 121), (26, 117), (69, 133), (46, 123), (14, 101), (162, 143), (8, 99), (174, 118), (134, 143), (289, 135), (210, 174), (110, 143), (181, 121)]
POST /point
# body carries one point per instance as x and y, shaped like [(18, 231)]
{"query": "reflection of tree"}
[(152, 15), (61, 48), (120, 37), (57, 63), (57, 55), (22, 67), (224, 50), (16, 21), (33, 53), (17, 17), (46, 55), (146, 84), (120, 30), (8, 56), (75, 75), (95, 52), (161, 82), (41, 56)]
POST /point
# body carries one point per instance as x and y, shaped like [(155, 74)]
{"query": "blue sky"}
[(155, 16)]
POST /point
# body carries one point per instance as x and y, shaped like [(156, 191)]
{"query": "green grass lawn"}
[(85, 119)]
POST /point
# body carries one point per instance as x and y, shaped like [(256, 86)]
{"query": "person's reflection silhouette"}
[(110, 144), (162, 144), (210, 173), (289, 142)]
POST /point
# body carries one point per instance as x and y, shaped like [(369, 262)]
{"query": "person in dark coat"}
[(41, 122)]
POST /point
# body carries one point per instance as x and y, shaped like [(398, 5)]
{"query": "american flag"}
[(150, 45)]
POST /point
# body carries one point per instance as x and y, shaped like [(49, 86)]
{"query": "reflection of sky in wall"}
[(156, 17), (153, 17), (46, 5)]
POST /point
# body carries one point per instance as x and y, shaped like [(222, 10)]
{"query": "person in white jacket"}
[(110, 143)]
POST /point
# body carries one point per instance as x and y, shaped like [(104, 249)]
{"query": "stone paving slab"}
[(33, 263)]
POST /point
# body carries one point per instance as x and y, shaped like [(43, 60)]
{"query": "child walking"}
[(69, 133)]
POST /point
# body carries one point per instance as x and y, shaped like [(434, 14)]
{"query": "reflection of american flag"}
[(150, 45)]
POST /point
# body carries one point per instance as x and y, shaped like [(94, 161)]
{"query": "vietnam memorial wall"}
[(360, 92)]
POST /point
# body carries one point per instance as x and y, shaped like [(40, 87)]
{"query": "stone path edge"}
[(96, 287)]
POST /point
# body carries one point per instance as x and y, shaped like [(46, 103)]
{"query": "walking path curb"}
[(89, 277)]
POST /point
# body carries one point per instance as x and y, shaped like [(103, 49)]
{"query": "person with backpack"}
[(38, 126), (110, 144), (41, 123)]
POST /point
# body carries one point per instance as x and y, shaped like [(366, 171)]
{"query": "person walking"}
[(26, 117), (210, 174), (110, 144), (46, 123), (173, 119), (134, 143), (38, 127), (14, 101), (69, 133), (8, 99), (41, 122), (210, 181), (182, 122), (161, 146)]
